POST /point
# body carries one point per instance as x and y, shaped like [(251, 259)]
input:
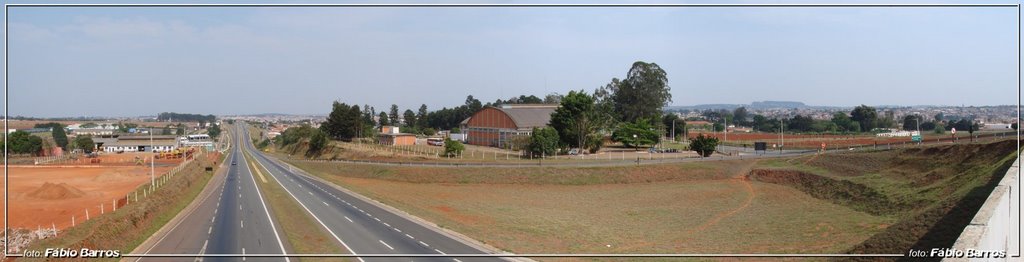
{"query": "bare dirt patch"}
[(49, 196)]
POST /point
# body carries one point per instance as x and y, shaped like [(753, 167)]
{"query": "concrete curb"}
[(208, 190), (423, 222)]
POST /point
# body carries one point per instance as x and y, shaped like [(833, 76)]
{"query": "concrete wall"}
[(997, 224)]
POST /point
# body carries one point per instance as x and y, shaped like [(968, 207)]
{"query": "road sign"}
[(953, 130), (915, 138)]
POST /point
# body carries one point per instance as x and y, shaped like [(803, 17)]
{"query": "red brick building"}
[(495, 126)]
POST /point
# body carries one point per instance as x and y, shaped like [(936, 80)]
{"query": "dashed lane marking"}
[(386, 244), (349, 219)]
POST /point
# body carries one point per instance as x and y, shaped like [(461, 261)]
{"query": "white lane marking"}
[(310, 193), (239, 206), (242, 223), (349, 219), (439, 251), (208, 231), (410, 236), (378, 219), (424, 244), (267, 212), (213, 219), (457, 260), (325, 203), (386, 244), (399, 230), (310, 212), (243, 254), (239, 195), (386, 224), (202, 251)]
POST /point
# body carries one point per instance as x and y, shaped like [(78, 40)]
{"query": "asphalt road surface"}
[(359, 226), (234, 219)]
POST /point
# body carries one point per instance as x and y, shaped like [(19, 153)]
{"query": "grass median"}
[(303, 232)]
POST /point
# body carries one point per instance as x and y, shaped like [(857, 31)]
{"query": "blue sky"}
[(141, 61)]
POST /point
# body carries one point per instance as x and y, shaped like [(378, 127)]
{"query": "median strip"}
[(258, 172)]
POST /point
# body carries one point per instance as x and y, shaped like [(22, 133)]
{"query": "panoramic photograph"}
[(511, 131)]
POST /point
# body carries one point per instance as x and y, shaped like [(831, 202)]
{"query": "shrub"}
[(704, 145)]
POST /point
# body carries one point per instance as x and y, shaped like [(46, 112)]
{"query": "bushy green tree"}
[(85, 143), (643, 92), (214, 131), (21, 142), (574, 119), (317, 142), (636, 134), (865, 115), (344, 123), (543, 142), (453, 148), (704, 145)]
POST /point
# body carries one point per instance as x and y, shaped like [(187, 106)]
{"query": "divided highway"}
[(233, 219), (362, 227)]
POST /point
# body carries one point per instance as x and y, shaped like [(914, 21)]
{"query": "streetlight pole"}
[(782, 134), (152, 161)]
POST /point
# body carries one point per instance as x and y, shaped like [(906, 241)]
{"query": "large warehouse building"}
[(496, 126)]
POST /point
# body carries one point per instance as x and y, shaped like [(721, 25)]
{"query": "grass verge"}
[(301, 229), (132, 224)]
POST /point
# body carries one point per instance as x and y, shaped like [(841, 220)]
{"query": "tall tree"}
[(410, 118), (421, 117), (383, 119), (739, 116), (57, 131), (910, 122), (574, 119), (669, 119), (393, 115), (866, 116), (643, 93), (344, 122)]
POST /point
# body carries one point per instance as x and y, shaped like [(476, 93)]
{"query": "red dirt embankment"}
[(841, 192)]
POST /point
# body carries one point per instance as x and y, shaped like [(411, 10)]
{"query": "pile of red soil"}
[(53, 191)]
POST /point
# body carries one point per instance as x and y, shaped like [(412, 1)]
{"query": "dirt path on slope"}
[(740, 178)]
